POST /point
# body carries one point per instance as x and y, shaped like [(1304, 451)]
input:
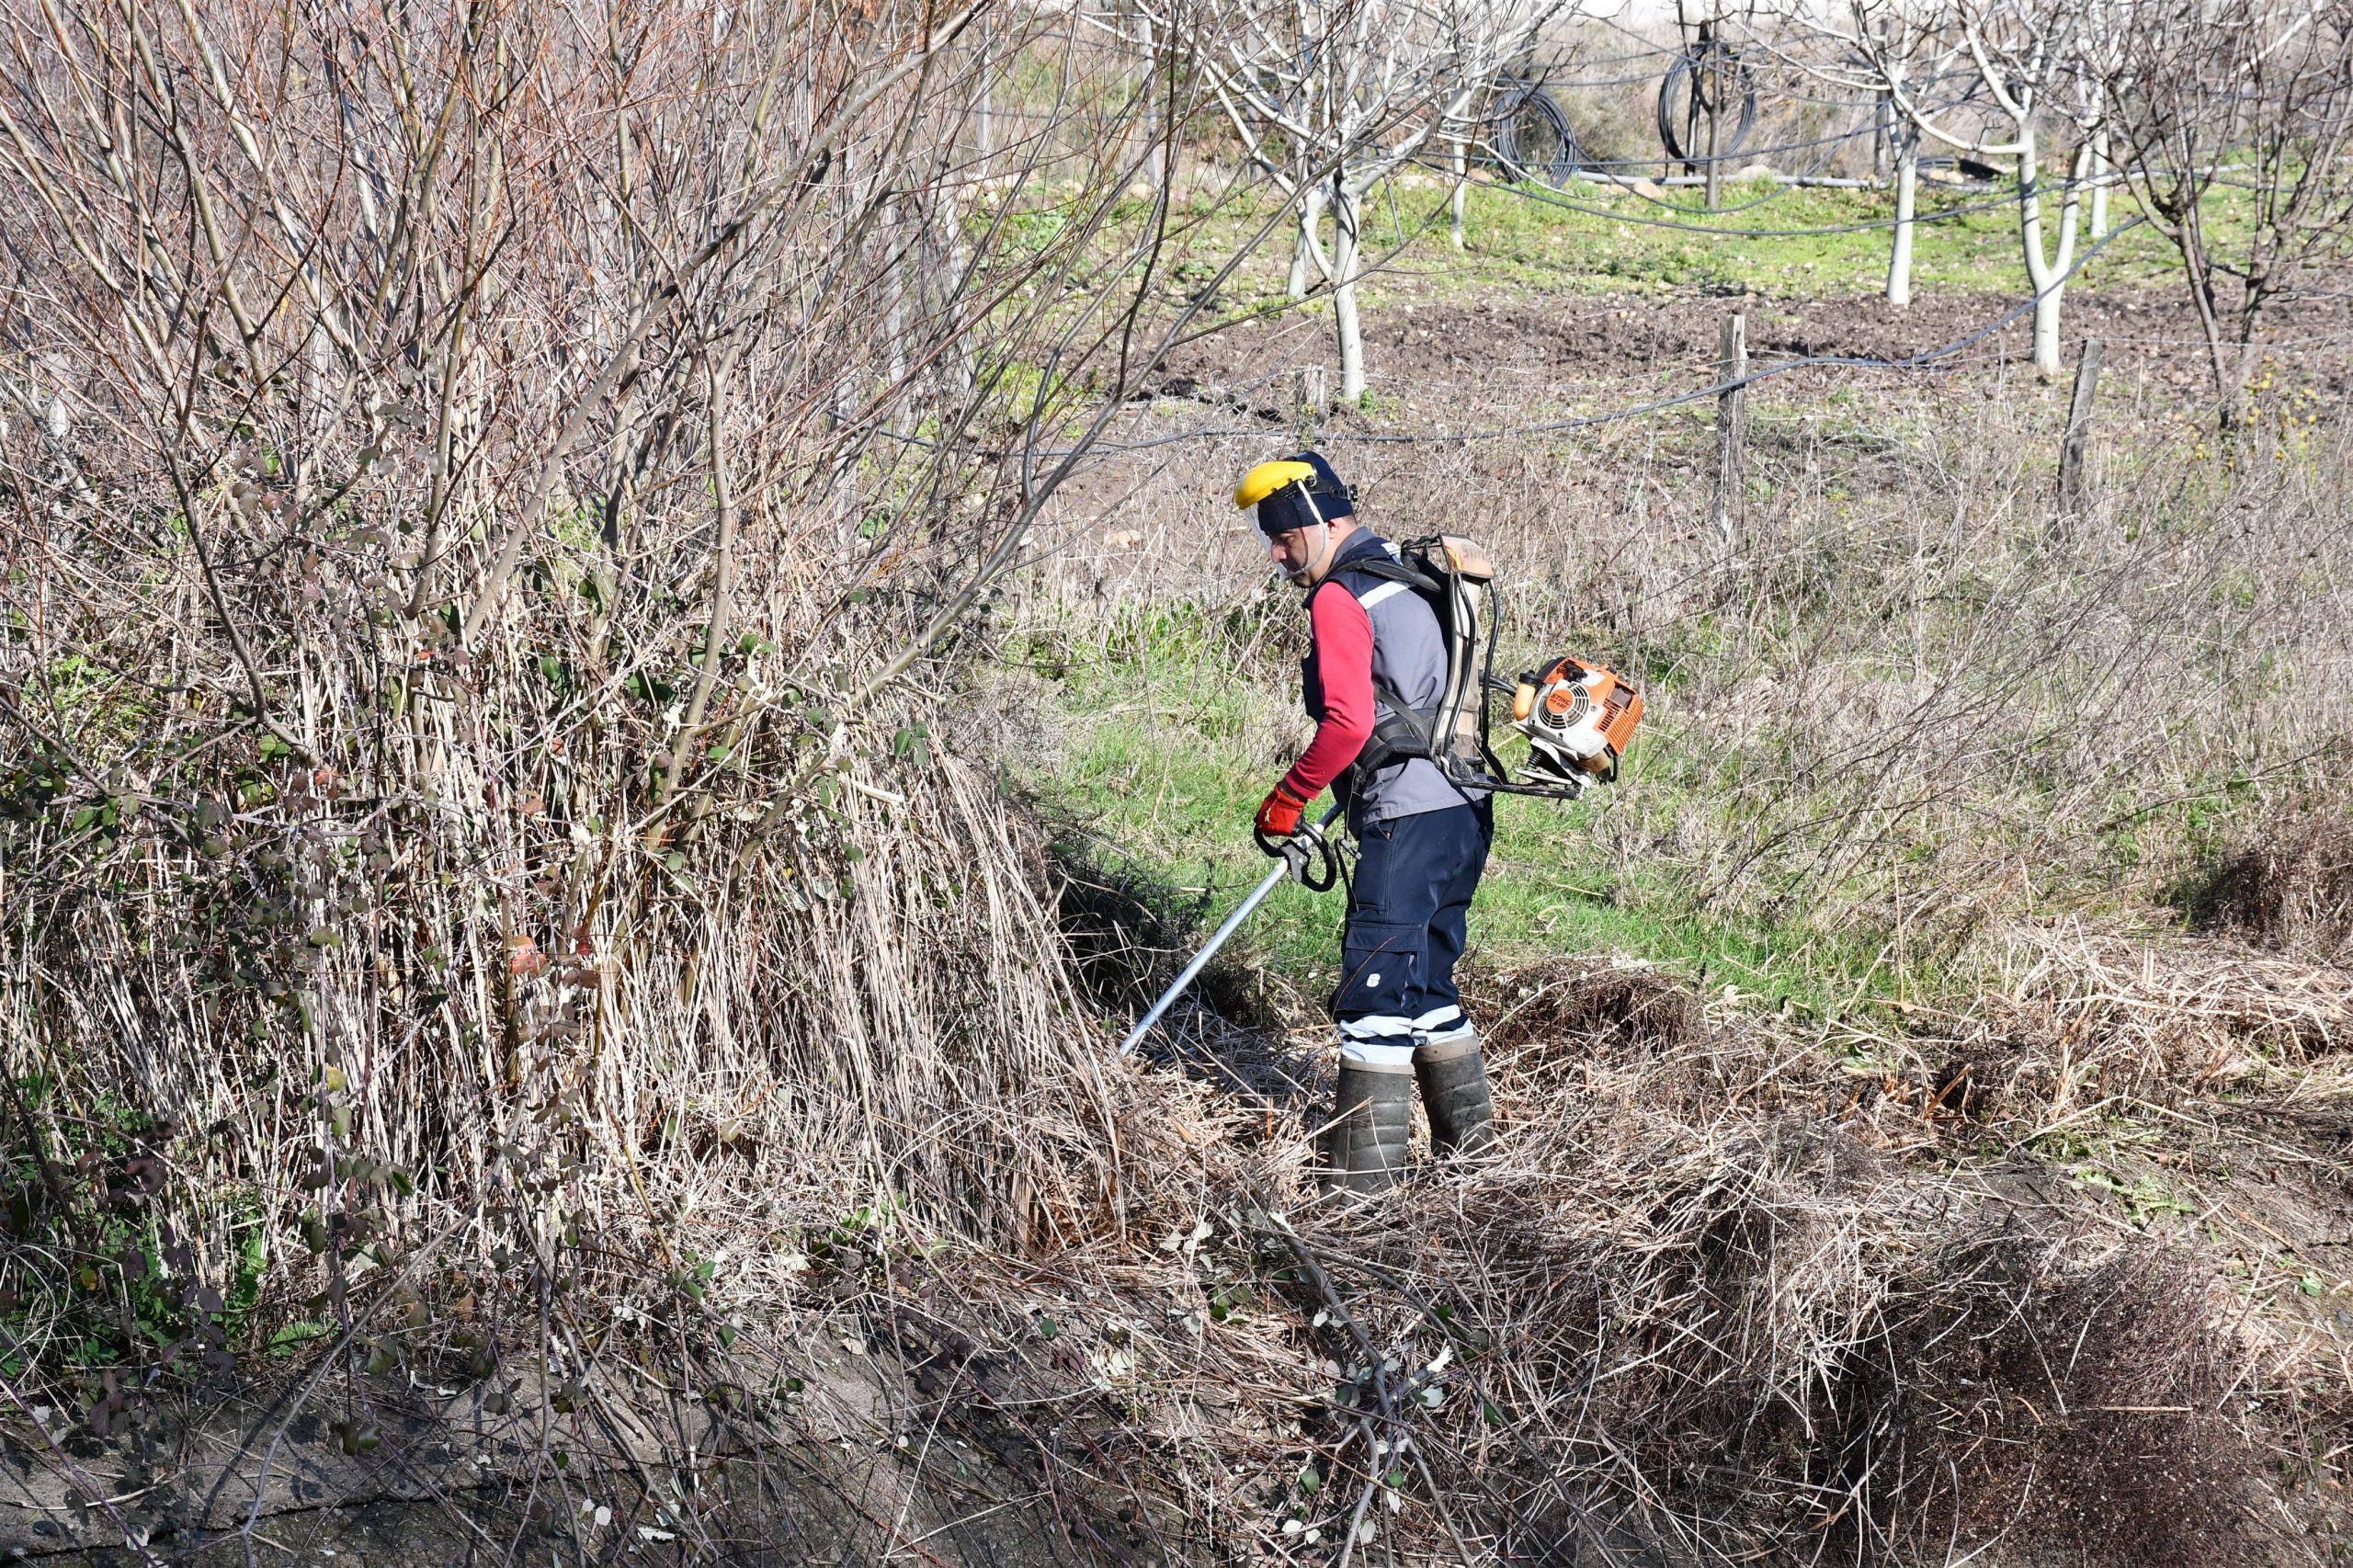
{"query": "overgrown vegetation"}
[(622, 655)]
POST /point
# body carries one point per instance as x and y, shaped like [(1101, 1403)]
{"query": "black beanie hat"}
[(1304, 503)]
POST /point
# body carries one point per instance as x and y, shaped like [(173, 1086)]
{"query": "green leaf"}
[(1308, 1482), (2310, 1284), (1046, 1327)]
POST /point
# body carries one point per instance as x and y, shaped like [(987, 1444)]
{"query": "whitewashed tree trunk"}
[(1154, 174), (1307, 261), (1907, 203), (2099, 186), (1461, 178), (2047, 272), (1347, 224)]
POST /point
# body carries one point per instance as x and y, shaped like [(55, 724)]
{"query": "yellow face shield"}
[(1268, 478)]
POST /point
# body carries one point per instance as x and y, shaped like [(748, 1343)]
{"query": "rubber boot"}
[(1454, 1092), (1364, 1152)]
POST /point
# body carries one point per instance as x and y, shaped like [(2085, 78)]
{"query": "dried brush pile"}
[(1711, 1303)]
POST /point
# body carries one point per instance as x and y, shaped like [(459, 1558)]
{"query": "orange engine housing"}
[(1579, 714)]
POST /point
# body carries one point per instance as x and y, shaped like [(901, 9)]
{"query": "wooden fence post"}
[(1732, 433), (2074, 484), (1309, 402)]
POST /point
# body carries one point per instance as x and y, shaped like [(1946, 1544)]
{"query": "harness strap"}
[(1408, 731)]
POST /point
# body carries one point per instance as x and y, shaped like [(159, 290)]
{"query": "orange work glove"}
[(1278, 815)]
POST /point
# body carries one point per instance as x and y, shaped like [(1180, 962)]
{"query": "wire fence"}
[(1942, 357)]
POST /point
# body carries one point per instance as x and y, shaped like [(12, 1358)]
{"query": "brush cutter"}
[(1306, 851)]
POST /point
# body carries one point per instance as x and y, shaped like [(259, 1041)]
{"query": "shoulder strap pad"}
[(1390, 572)]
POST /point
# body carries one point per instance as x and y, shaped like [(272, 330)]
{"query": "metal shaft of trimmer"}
[(1283, 868)]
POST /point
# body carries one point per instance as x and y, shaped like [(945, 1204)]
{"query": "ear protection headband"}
[(1294, 493)]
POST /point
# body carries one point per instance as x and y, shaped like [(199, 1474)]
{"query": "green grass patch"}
[(1601, 238), (1595, 237), (1169, 732)]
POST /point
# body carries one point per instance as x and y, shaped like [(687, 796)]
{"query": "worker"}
[(1375, 650)]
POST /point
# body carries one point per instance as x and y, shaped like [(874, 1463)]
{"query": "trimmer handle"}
[(1303, 850)]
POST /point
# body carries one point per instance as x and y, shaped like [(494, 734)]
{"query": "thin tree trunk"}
[(2238, 411), (2046, 331), (1907, 203), (985, 112), (1731, 498), (2048, 273), (1154, 171), (1348, 218), (1307, 256), (1715, 120), (2073, 483), (2100, 173), (2189, 239), (895, 317), (1461, 176)]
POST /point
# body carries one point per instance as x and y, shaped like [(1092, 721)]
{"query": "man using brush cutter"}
[(1375, 681), (1399, 666)]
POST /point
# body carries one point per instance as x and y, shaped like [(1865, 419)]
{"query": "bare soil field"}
[(1417, 346)]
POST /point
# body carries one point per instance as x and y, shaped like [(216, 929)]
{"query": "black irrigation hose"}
[(1684, 76), (1526, 106), (1568, 204)]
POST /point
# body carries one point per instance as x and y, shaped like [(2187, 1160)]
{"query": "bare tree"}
[(1330, 100), (2250, 100), (493, 465), (2028, 61)]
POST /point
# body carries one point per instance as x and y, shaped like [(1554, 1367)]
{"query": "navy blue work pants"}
[(1408, 916)]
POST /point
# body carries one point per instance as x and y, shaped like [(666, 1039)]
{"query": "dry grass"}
[(2036, 1257), (1709, 1303), (2291, 886), (1915, 705)]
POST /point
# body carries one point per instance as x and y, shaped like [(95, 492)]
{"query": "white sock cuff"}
[(1375, 1053)]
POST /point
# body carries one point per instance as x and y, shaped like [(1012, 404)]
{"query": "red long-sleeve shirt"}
[(1342, 634)]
